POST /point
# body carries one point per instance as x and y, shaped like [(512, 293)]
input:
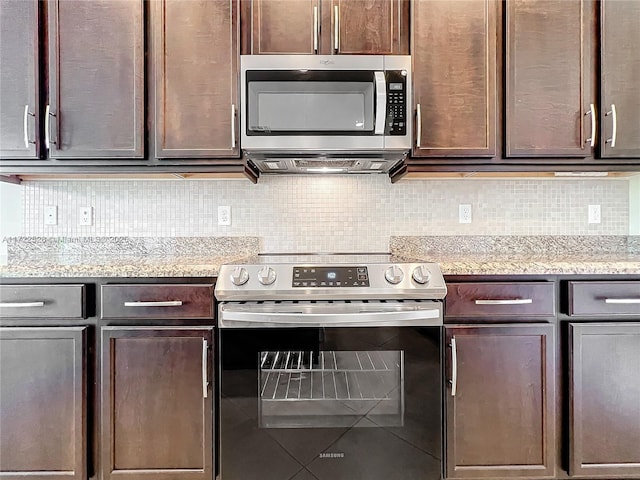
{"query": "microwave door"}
[(316, 103), (381, 102)]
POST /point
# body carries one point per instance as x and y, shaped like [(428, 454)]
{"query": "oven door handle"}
[(230, 318)]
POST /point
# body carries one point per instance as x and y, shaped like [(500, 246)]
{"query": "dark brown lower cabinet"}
[(157, 403), (604, 395), (501, 401), (43, 406)]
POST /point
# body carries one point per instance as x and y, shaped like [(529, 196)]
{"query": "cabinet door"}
[(620, 60), (96, 66), (196, 52), (547, 78), (454, 71), (604, 395), (501, 402), (157, 405), (43, 403), (19, 100), (285, 26), (368, 27)]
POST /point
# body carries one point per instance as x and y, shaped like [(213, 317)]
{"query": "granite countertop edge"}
[(142, 267)]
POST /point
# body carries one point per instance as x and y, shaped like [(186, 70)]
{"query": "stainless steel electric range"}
[(330, 369)]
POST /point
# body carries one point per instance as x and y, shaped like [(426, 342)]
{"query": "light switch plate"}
[(595, 214), (51, 215)]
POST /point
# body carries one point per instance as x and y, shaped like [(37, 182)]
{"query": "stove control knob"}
[(266, 275), (394, 274), (421, 275), (239, 276)]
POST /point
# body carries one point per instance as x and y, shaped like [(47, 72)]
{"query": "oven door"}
[(330, 402)]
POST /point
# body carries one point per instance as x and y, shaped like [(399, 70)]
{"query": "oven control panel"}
[(327, 277)]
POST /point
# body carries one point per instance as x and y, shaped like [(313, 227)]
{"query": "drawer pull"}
[(21, 304), (169, 303), (513, 301), (454, 367), (622, 300)]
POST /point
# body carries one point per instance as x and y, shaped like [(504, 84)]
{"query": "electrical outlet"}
[(594, 214), (51, 215), (224, 215), (86, 215), (464, 213)]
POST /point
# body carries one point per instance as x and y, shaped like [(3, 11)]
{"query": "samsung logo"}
[(332, 455), (327, 62)]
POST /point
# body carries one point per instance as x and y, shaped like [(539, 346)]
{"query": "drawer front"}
[(603, 299), (489, 300), (157, 301), (42, 301)]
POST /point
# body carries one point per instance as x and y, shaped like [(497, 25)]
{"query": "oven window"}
[(318, 389)]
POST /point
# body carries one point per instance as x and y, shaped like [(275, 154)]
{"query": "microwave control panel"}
[(306, 277), (396, 103)]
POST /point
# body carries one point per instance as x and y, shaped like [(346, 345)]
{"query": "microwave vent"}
[(325, 163)]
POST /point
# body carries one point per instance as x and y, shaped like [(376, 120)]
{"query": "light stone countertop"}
[(137, 266), (124, 266), (129, 257), (517, 265)]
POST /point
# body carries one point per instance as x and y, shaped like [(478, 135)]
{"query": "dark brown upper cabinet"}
[(500, 402), (157, 403), (548, 78), (604, 396), (454, 75), (96, 79), (43, 425), (195, 64), (327, 27), (19, 99), (369, 27), (283, 26), (620, 78)]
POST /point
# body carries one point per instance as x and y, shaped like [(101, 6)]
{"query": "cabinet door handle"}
[(21, 304), (205, 380), (614, 131), (169, 303), (418, 125), (336, 28), (454, 367), (512, 301), (622, 300), (47, 127), (25, 126), (233, 125), (592, 111), (315, 29)]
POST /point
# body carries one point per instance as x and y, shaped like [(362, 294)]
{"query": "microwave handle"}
[(381, 103)]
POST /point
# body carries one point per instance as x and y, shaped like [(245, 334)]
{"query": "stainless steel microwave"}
[(326, 107)]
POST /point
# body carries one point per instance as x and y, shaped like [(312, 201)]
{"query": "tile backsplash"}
[(330, 213)]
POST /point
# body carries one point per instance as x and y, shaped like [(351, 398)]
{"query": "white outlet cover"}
[(224, 215), (464, 213), (595, 215)]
